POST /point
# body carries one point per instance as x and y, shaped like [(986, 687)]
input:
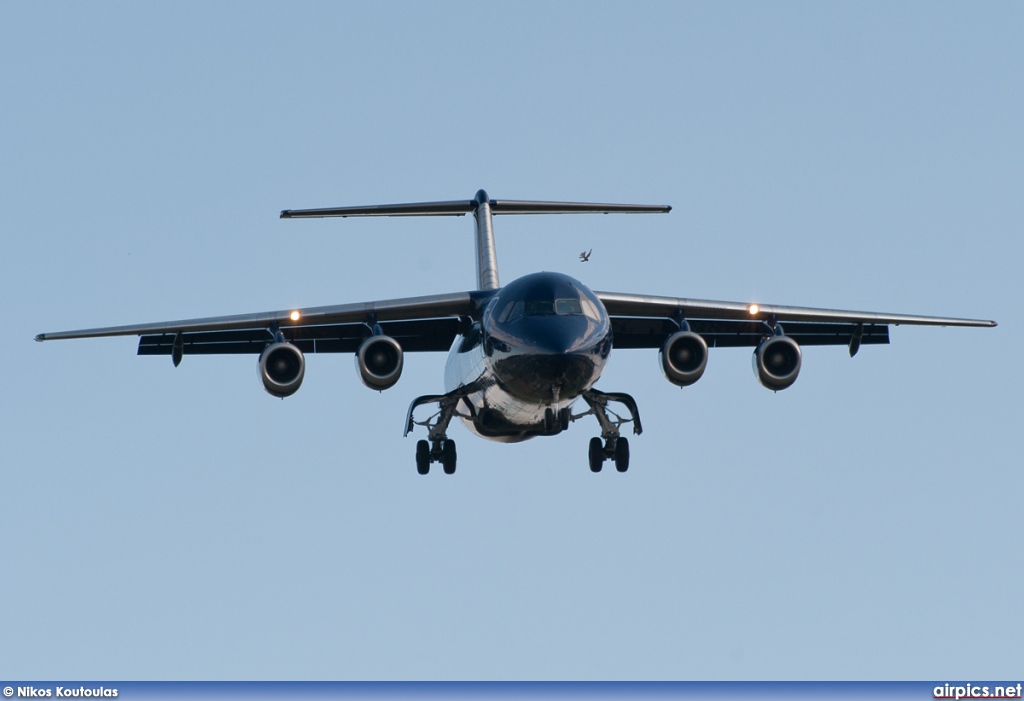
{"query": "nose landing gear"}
[(556, 422)]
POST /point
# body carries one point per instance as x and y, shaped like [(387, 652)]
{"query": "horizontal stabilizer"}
[(526, 207), (457, 208), (416, 209)]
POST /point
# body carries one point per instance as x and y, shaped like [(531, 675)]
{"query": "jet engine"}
[(379, 361), (282, 367), (684, 357), (777, 362)]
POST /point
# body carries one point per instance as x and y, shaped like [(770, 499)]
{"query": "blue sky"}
[(163, 523)]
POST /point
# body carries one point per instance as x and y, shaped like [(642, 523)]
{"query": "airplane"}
[(585, 256), (522, 354)]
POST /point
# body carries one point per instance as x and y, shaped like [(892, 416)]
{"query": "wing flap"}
[(418, 335)]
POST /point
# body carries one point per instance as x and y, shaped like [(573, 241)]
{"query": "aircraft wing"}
[(428, 323), (644, 321)]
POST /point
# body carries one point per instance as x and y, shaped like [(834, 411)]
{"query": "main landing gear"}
[(616, 449), (610, 445), (443, 451), (439, 448)]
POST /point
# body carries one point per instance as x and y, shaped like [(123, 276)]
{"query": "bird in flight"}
[(585, 256)]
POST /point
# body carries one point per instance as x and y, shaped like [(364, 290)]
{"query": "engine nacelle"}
[(282, 367), (684, 357), (379, 361), (777, 362)]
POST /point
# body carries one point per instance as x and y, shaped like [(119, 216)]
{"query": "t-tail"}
[(483, 209)]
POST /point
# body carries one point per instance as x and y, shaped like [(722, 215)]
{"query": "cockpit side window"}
[(512, 311), (503, 317)]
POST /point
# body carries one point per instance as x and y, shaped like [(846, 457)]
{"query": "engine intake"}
[(379, 361), (282, 367), (684, 357), (777, 362)]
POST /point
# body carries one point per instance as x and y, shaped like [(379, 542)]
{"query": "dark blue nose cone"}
[(548, 337)]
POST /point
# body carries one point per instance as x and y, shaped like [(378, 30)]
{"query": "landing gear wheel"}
[(448, 457), (596, 454), (549, 420), (422, 457), (621, 454), (563, 418)]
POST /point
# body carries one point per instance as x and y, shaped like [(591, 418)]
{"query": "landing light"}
[(753, 309), (295, 316)]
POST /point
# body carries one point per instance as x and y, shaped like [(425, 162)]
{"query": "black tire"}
[(422, 457), (549, 420), (621, 454), (448, 457), (596, 454), (563, 418)]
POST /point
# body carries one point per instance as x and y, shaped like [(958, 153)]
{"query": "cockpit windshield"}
[(568, 306), (539, 307)]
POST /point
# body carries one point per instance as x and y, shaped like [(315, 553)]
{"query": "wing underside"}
[(640, 332)]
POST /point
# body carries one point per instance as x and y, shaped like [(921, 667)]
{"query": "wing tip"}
[(40, 337)]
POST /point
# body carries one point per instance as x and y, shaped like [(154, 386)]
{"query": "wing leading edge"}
[(644, 321), (619, 304), (418, 323)]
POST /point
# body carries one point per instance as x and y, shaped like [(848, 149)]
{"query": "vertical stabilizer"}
[(486, 253)]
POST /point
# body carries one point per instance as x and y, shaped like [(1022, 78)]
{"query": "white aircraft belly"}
[(472, 366)]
